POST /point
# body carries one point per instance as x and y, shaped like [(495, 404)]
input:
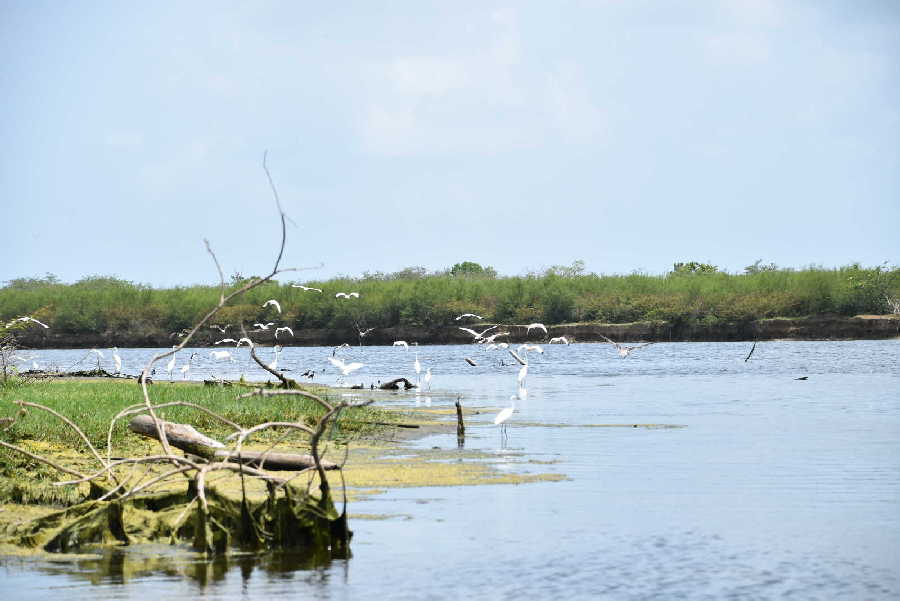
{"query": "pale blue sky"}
[(520, 135)]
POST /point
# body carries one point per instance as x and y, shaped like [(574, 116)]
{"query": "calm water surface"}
[(775, 488)]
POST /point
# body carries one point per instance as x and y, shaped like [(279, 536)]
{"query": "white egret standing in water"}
[(274, 364), (117, 359), (187, 366), (501, 418), (171, 364), (418, 367)]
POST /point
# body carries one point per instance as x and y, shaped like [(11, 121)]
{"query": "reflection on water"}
[(123, 565), (773, 488)]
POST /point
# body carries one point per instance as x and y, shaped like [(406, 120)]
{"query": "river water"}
[(773, 487)]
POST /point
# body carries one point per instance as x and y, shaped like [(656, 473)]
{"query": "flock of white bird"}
[(490, 342)]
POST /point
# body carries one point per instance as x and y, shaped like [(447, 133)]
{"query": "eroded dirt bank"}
[(872, 327)]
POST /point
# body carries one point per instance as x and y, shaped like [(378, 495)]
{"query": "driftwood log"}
[(186, 438)]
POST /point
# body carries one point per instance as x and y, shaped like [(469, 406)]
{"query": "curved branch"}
[(41, 459), (69, 423)]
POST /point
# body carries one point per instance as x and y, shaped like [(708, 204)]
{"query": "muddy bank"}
[(824, 327)]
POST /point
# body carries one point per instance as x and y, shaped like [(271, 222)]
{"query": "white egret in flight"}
[(469, 315), (536, 326), (559, 340), (402, 343), (345, 368), (243, 340), (520, 379), (347, 295), (26, 318), (624, 351), (531, 347), (306, 287), (220, 328), (223, 340), (264, 326), (477, 335), (493, 337), (283, 329), (274, 303)]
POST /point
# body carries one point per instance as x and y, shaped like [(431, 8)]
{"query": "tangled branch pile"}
[(168, 497)]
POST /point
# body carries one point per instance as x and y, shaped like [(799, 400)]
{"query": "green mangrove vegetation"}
[(691, 292)]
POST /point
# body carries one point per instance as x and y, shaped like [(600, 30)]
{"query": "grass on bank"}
[(91, 404)]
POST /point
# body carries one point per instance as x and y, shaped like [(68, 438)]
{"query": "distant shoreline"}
[(825, 327)]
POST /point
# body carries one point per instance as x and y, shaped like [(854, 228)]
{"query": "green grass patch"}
[(93, 403)]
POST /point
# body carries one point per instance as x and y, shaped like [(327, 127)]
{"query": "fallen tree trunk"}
[(274, 461), (186, 438)]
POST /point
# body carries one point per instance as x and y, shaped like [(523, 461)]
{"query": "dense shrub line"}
[(413, 297)]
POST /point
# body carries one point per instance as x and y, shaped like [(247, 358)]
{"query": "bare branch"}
[(219, 269), (68, 422), (41, 459), (280, 210)]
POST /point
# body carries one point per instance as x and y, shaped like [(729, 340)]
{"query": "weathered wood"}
[(180, 436), (274, 461), (460, 426), (186, 438)]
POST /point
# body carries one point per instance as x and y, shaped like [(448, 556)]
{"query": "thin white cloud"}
[(480, 99), (570, 105)]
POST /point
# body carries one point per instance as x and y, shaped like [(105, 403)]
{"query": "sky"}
[(520, 135)]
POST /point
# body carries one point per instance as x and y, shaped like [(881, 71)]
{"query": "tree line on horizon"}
[(693, 292)]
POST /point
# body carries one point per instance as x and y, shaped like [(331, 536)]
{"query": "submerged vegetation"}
[(691, 292)]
